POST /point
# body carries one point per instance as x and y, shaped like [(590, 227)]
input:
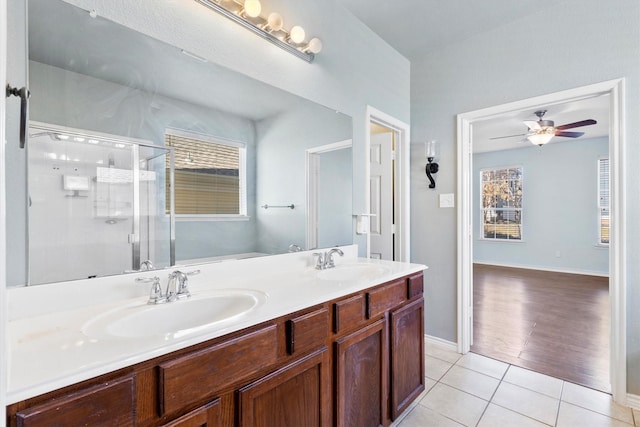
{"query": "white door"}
[(381, 209)]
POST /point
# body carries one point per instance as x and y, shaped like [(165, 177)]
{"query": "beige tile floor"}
[(476, 391)]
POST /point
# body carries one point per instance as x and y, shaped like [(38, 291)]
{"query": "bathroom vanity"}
[(340, 347)]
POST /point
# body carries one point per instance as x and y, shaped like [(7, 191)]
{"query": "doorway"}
[(388, 187), (329, 195), (617, 259)]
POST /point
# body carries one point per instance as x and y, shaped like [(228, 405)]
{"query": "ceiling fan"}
[(541, 131)]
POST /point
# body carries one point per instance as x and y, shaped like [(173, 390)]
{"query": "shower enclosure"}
[(98, 204)]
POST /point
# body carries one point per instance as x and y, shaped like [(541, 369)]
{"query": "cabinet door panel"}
[(110, 404), (407, 355), (294, 396), (361, 377)]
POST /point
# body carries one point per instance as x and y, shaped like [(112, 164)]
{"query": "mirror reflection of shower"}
[(97, 204)]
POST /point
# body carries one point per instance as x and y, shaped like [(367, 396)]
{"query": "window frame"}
[(600, 205), (482, 209), (242, 175)]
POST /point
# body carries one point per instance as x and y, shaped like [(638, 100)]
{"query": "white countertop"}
[(48, 350)]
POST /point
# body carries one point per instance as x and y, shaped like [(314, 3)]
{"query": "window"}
[(501, 203), (209, 175), (603, 200)]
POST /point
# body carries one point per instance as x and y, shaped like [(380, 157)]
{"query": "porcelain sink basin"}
[(175, 319), (353, 272)]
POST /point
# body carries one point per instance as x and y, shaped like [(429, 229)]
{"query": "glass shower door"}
[(97, 205)]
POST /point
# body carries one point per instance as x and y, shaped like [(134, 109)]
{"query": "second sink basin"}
[(175, 319), (353, 272)]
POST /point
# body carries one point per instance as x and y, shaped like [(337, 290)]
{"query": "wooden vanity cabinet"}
[(353, 361)]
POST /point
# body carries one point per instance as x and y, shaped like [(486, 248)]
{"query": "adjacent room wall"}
[(559, 212), (580, 43)]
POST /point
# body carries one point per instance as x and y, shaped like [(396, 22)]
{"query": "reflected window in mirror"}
[(210, 176)]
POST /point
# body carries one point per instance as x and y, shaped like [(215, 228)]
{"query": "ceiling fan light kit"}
[(542, 131)]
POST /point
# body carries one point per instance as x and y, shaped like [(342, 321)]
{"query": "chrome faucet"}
[(177, 287), (325, 260), (328, 258)]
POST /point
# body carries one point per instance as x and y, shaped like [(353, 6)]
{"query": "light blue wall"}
[(282, 171), (560, 208), (581, 42)]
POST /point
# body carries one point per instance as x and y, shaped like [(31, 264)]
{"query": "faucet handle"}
[(155, 294), (319, 260)]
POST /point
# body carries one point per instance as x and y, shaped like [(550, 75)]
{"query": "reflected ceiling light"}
[(247, 14)]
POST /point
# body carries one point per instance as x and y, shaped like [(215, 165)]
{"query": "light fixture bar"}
[(211, 4)]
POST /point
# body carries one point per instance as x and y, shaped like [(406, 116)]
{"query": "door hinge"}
[(393, 229), (393, 155), (133, 238)]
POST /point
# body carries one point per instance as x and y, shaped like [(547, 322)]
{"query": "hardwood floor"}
[(553, 323)]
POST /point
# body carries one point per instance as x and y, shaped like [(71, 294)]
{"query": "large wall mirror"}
[(113, 111)]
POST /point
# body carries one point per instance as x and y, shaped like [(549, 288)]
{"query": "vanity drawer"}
[(349, 313), (416, 285), (307, 332), (386, 297), (111, 403), (199, 375)]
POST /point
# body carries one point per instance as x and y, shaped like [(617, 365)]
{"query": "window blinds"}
[(603, 200), (207, 177)]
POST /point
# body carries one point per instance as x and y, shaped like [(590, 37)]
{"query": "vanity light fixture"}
[(430, 151), (248, 14)]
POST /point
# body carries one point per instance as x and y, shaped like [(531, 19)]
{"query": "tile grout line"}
[(493, 394), (559, 403)]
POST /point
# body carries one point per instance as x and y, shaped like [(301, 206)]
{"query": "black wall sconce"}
[(430, 151)]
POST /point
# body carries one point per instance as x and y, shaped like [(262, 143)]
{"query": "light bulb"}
[(297, 34), (314, 46), (275, 21), (252, 8)]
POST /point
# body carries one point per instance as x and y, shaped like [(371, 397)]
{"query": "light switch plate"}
[(447, 200)]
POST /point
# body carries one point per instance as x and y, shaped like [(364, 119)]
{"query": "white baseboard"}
[(633, 401), (550, 269), (447, 345)]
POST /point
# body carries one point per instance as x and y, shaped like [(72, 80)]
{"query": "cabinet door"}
[(361, 377), (407, 355), (296, 395)]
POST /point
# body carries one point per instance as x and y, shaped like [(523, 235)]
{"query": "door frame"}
[(402, 244), (312, 165), (3, 237), (617, 247)]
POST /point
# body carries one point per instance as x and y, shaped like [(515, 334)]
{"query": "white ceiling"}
[(416, 27)]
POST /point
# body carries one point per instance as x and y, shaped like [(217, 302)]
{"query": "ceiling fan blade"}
[(508, 136), (577, 124), (569, 134), (533, 125)]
